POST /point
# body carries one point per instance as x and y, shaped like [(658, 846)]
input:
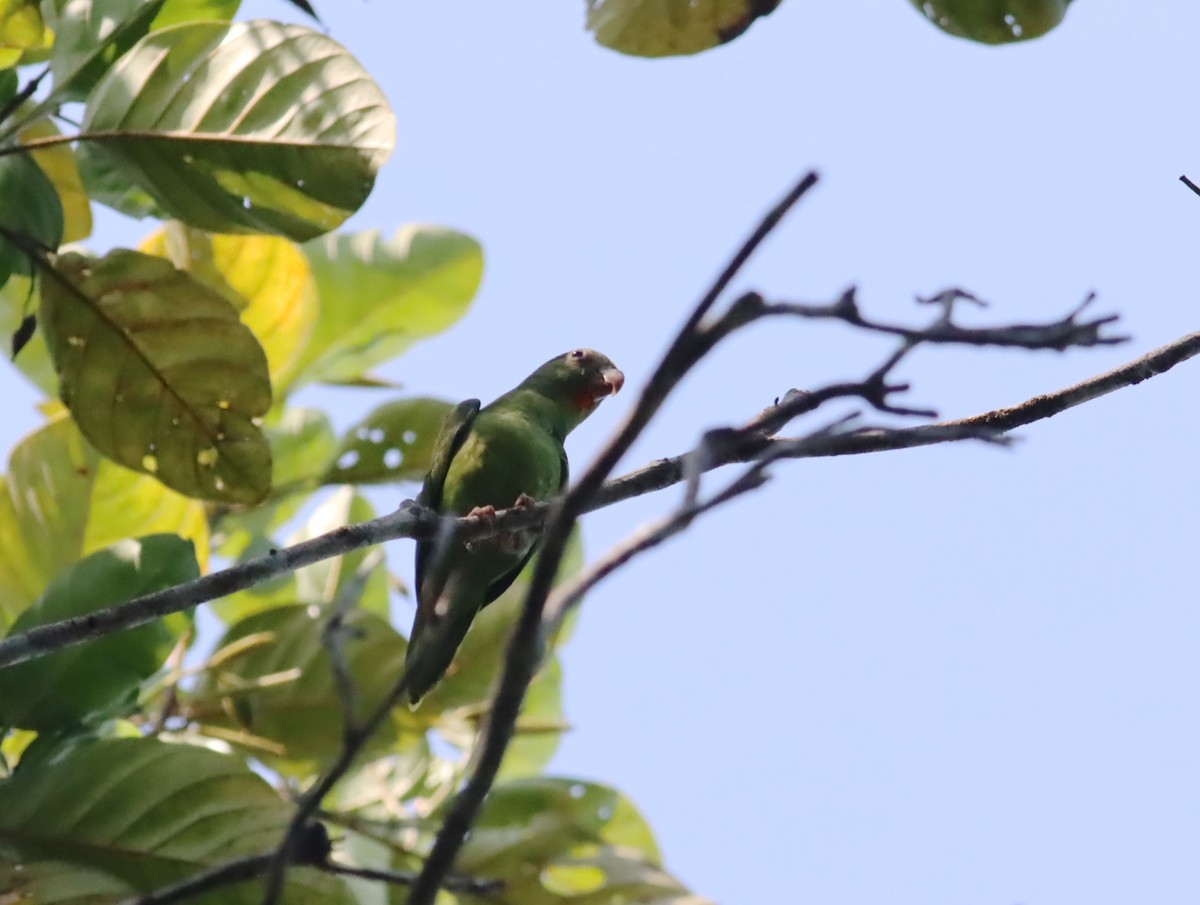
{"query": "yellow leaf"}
[(267, 278), (60, 166), (21, 29)]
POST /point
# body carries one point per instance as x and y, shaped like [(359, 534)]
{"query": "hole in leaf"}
[(150, 463), (207, 457), (577, 790), (348, 459), (409, 437), (392, 458)]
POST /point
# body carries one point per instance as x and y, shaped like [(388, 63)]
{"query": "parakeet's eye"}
[(576, 354)]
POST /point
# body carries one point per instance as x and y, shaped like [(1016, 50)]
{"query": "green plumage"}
[(505, 454)]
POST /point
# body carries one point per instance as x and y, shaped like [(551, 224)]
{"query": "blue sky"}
[(958, 675)]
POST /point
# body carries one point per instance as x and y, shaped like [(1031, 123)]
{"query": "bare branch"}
[(409, 520), (206, 881), (413, 521), (475, 886), (27, 91), (664, 473)]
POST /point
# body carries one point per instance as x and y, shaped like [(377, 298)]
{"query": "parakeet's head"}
[(578, 379)]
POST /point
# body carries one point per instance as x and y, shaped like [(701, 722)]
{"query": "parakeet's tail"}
[(431, 650)]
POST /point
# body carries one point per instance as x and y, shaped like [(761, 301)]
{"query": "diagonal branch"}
[(521, 655)]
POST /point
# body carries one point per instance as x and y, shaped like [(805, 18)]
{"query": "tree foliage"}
[(140, 760)]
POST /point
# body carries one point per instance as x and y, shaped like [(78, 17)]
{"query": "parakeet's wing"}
[(501, 584), (454, 432)]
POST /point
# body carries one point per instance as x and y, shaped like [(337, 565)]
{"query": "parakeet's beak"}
[(611, 381)]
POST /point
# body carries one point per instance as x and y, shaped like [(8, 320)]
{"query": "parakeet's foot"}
[(517, 541), (487, 514)]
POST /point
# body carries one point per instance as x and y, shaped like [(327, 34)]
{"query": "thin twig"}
[(23, 95), (218, 877), (474, 885), (667, 472), (1060, 335), (407, 521)]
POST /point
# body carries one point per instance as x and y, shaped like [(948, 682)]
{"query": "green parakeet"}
[(509, 453)]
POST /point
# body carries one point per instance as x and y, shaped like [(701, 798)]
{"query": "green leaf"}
[(299, 707), (476, 667), (379, 296), (994, 21), (159, 373), (101, 676), (175, 12), (660, 28), (319, 584), (266, 278), (31, 212), (555, 840), (60, 501), (539, 728), (530, 818), (9, 83), (302, 442), (91, 35), (326, 581), (409, 772), (148, 814), (258, 127), (21, 30), (106, 182), (393, 443), (302, 445), (52, 882)]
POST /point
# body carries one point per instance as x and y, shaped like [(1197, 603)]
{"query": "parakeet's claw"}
[(483, 513), (524, 501)]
